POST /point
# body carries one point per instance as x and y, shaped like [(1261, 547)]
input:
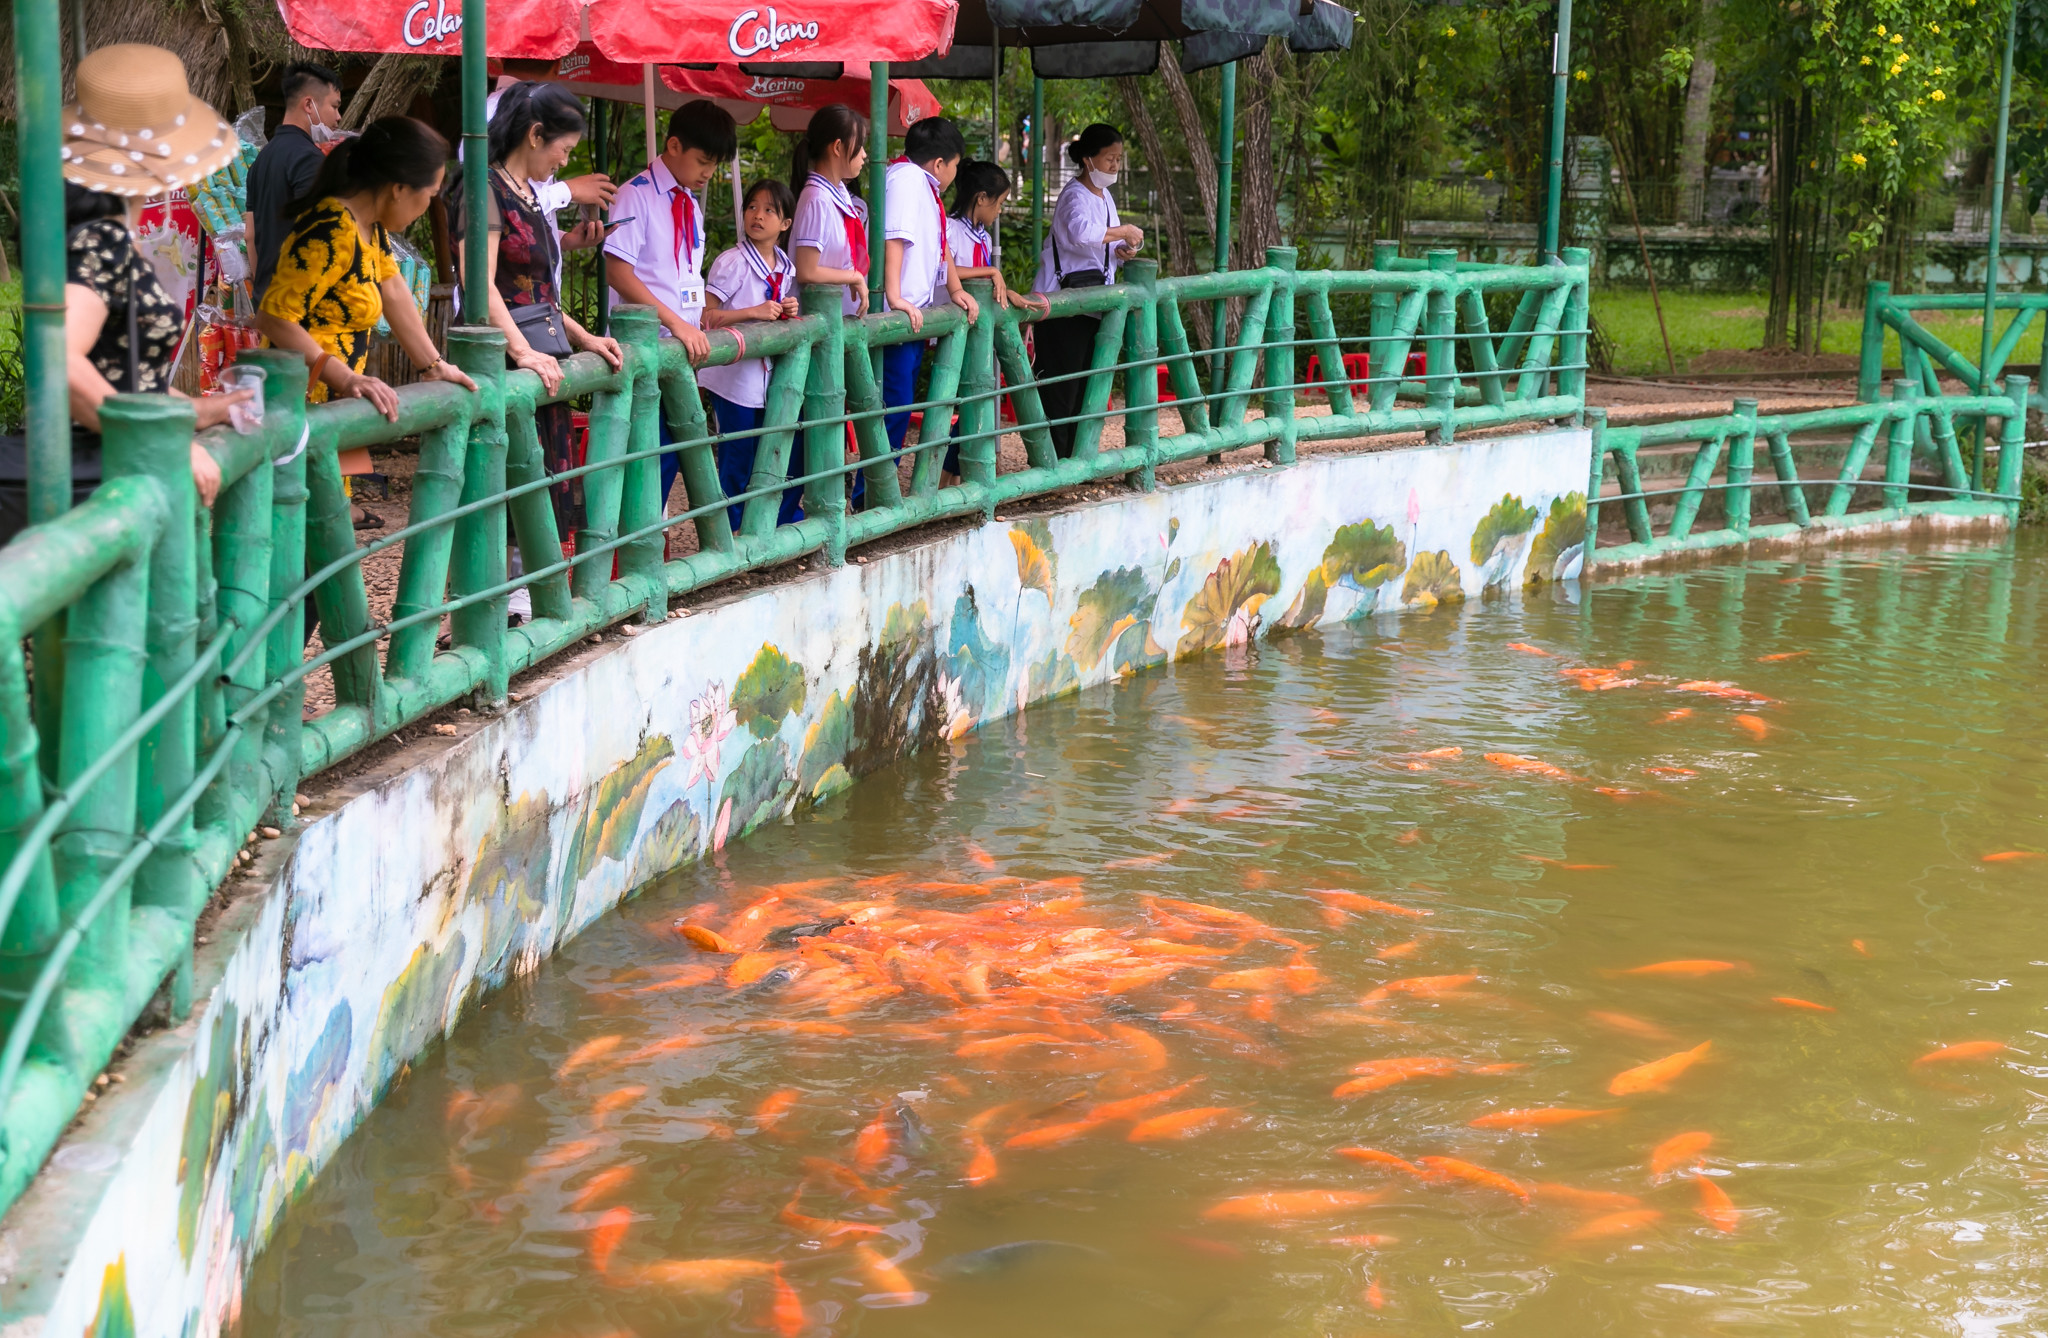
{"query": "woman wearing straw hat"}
[(135, 132)]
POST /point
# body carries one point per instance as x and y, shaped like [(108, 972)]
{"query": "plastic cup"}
[(247, 416)]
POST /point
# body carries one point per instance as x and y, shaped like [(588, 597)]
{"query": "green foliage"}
[(13, 375), (769, 691)]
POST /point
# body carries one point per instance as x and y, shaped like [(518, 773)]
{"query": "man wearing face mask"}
[(285, 170)]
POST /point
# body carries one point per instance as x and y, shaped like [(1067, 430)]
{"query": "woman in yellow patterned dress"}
[(336, 277)]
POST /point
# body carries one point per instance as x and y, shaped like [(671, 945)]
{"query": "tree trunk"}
[(1699, 108), (1180, 251), (1201, 153), (1258, 190)]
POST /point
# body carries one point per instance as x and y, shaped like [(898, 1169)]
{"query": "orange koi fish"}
[(749, 967), (1409, 837), (871, 1145), (1053, 1135), (1681, 713), (568, 1154), (787, 1312), (710, 940), (1727, 691), (981, 1163), (1673, 773), (704, 1275), (1421, 987), (1716, 1206), (1375, 1157), (1685, 1149), (612, 1101), (1755, 726), (1256, 980), (1572, 1196), (980, 856), (655, 1049), (775, 1107), (1394, 951), (1299, 976), (605, 1237), (1528, 649), (1184, 1123), (1002, 1045), (1436, 753), (1632, 1026), (1132, 1106), (1284, 1205), (679, 978), (820, 1228), (2008, 856), (589, 1053), (1149, 1052), (1691, 969), (1539, 1117), (1365, 1242), (1378, 1074), (1964, 1050), (844, 1179), (1658, 1074), (1352, 901), (887, 1279), (1373, 1296), (1616, 1224), (1141, 861), (1529, 766), (1792, 1001), (1440, 1168), (1782, 656), (1857, 944), (599, 1185)]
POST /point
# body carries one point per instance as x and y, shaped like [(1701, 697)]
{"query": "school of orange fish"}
[(1053, 1017)]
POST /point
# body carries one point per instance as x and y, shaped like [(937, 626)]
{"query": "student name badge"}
[(691, 295)]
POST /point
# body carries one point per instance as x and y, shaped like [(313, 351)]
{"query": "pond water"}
[(1618, 941)]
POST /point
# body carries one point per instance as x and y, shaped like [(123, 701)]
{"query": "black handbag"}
[(541, 325), (1079, 278)]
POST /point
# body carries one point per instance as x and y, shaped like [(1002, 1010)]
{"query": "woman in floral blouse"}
[(336, 277)]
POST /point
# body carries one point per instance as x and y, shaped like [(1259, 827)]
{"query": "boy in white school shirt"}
[(655, 254), (917, 264)]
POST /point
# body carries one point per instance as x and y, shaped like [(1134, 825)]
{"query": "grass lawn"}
[(1703, 322)]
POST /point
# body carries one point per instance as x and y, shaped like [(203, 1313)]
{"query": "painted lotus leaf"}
[(1433, 580), (509, 880), (831, 783), (973, 659), (1172, 529), (759, 787), (114, 1317), (311, 1086), (771, 689), (1562, 539), (825, 743), (1136, 649), (1507, 521), (1117, 601), (209, 1112), (611, 810), (1225, 611), (414, 1010), (1308, 605), (897, 707), (1172, 570), (1037, 564), (255, 1159), (670, 841), (1364, 556), (1053, 676)]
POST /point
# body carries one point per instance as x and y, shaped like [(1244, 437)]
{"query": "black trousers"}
[(1062, 347)]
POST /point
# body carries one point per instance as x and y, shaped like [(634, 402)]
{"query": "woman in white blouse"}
[(1086, 245)]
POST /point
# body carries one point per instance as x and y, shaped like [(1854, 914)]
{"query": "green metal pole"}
[(1037, 165), (476, 274), (1226, 151), (600, 161), (878, 172), (38, 73), (1984, 373), (1561, 78)]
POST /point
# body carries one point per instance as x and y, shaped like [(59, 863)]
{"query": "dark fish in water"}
[(1816, 977), (916, 1138), (789, 934), (774, 980), (998, 1259)]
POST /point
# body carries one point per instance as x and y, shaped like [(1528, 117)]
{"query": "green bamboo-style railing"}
[(168, 722), (1723, 463)]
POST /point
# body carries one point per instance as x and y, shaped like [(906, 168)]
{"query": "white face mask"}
[(321, 133), (1104, 180)]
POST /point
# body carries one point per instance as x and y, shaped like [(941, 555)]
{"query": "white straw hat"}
[(136, 129)]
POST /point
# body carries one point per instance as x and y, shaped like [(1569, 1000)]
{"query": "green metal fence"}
[(1718, 458), (160, 718), (1925, 356)]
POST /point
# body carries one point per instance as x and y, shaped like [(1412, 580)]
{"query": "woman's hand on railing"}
[(603, 346), (1036, 302), (540, 364), (965, 301), (212, 410), (859, 289), (910, 309), (380, 395), (206, 473), (444, 370)]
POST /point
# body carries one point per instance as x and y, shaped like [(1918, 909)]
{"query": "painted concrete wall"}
[(416, 898)]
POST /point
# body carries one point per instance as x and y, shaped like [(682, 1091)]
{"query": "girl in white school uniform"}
[(979, 191), (754, 281), (829, 238), (1086, 244)]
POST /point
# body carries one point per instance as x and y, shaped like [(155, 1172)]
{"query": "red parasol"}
[(637, 31)]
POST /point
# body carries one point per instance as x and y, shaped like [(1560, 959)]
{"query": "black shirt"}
[(283, 172)]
